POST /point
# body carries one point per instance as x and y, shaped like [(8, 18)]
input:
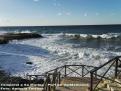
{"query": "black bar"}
[(91, 82), (116, 68), (59, 78), (82, 71), (65, 71), (106, 63)]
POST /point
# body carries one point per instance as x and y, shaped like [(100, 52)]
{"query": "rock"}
[(4, 39), (17, 36), (30, 63), (77, 36)]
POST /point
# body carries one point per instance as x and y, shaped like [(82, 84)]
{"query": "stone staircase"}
[(107, 85), (81, 84)]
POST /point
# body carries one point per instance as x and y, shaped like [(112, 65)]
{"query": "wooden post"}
[(91, 81), (65, 70), (82, 71), (116, 68), (59, 77), (95, 73)]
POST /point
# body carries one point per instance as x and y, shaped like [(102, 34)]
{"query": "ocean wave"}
[(59, 54), (23, 31), (64, 53), (2, 32), (108, 36)]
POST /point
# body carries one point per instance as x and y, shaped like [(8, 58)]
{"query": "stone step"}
[(105, 89), (78, 80), (115, 88)]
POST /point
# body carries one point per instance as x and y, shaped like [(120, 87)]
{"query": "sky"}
[(59, 12)]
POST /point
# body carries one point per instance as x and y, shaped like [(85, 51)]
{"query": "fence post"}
[(65, 70), (59, 77), (83, 71), (95, 73), (91, 81), (116, 68)]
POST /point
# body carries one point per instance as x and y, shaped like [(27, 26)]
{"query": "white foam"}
[(24, 31), (103, 36), (3, 32), (59, 54)]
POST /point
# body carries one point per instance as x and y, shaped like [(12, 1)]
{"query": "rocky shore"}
[(5, 78), (4, 39)]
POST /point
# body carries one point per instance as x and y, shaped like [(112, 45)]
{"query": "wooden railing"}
[(72, 70), (109, 71), (55, 76)]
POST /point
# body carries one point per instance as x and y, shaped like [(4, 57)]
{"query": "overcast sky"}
[(59, 12)]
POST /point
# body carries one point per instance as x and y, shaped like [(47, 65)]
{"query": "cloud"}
[(85, 14), (35, 0), (68, 13), (59, 14), (64, 13)]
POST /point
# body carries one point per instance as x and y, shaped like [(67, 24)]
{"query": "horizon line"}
[(57, 25)]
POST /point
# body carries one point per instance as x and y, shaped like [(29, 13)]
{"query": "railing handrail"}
[(113, 61), (61, 67), (97, 68), (69, 65)]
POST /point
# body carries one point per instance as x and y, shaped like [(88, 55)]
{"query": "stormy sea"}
[(60, 45)]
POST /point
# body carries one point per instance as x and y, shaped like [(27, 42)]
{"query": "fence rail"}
[(111, 67), (55, 76)]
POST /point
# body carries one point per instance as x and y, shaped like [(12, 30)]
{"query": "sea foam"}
[(94, 36), (46, 54)]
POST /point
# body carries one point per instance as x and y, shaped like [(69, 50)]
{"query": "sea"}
[(61, 45)]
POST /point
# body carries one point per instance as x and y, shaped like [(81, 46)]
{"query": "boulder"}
[(4, 39), (30, 63)]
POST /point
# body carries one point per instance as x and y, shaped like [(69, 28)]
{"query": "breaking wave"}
[(16, 31), (108, 36), (47, 53)]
